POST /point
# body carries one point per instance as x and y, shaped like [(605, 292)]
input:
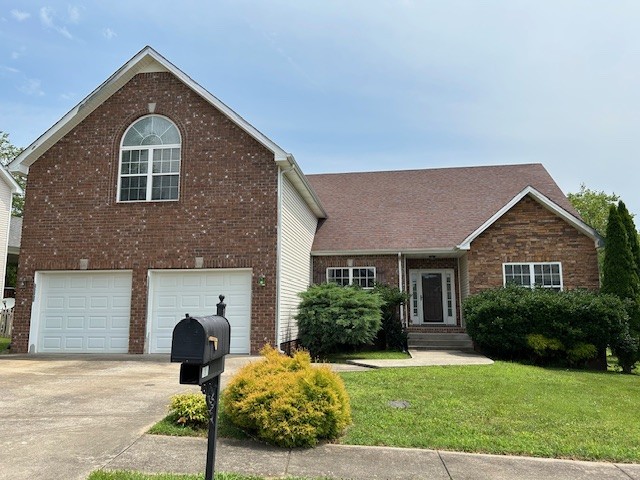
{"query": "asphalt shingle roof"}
[(419, 209)]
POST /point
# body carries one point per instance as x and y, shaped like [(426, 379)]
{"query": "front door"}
[(433, 297)]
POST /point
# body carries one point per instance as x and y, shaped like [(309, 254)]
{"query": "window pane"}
[(338, 275), (132, 138), (164, 187), (171, 136), (151, 140), (133, 188)]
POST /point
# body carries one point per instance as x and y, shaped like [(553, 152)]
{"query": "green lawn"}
[(128, 475), (373, 355), (4, 343), (505, 408)]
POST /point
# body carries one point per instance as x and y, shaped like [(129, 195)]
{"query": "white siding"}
[(463, 272), (5, 216), (298, 229)]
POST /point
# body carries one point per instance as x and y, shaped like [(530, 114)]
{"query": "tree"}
[(8, 152), (632, 234), (620, 277), (593, 206)]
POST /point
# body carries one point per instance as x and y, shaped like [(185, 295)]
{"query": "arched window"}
[(149, 161)]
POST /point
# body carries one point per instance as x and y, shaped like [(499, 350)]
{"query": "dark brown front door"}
[(432, 297)]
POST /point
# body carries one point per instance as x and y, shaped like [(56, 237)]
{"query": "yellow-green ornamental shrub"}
[(189, 409), (286, 401)]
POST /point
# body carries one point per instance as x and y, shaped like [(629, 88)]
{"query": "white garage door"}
[(172, 294), (83, 312)]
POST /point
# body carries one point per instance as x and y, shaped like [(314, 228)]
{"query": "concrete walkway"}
[(428, 358), (187, 455)]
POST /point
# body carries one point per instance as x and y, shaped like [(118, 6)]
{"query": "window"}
[(363, 276), (546, 275), (149, 161)]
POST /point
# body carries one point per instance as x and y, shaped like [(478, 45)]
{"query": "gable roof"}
[(148, 60), (428, 211)]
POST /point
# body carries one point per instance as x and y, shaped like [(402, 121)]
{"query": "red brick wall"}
[(530, 233), (386, 266), (226, 213)]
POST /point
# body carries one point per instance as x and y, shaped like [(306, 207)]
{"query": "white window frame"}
[(532, 275), (149, 175), (351, 269)]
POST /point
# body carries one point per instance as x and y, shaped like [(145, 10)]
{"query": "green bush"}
[(392, 336), (520, 323), (286, 401), (189, 409), (331, 316), (626, 348)]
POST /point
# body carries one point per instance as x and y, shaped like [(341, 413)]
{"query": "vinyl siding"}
[(5, 217), (298, 230)]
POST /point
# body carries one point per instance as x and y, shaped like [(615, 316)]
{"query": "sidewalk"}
[(154, 454)]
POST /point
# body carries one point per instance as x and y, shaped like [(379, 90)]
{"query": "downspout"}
[(281, 172)]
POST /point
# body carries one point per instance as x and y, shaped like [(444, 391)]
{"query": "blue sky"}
[(364, 85)]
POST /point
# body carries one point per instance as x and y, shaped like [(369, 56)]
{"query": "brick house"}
[(151, 197)]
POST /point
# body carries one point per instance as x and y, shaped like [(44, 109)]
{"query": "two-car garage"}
[(89, 311)]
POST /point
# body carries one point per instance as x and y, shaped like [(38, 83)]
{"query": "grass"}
[(168, 426), (373, 355), (4, 343), (506, 408), (129, 475)]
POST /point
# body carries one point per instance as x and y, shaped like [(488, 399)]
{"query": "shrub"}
[(564, 327), (286, 401), (331, 316), (543, 347), (392, 336), (189, 409), (627, 349)]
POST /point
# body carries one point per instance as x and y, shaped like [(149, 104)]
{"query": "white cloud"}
[(108, 33), (74, 14), (47, 18), (18, 53), (32, 86), (8, 69), (67, 96), (20, 15)]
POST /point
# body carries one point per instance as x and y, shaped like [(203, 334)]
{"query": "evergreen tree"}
[(632, 234), (620, 277)]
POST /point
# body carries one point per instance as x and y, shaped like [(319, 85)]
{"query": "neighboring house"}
[(8, 187), (151, 197), (13, 252)]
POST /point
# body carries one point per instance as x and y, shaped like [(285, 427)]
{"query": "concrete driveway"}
[(65, 416)]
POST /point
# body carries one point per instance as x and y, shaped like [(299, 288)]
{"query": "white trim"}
[(439, 252), (400, 273), (10, 181), (532, 277), (546, 203), (446, 319)]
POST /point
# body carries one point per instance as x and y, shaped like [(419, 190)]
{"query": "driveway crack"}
[(623, 471)]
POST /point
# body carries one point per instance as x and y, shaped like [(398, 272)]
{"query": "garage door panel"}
[(120, 323), (175, 293), (75, 323), (84, 312)]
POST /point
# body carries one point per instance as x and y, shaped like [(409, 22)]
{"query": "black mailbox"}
[(201, 344)]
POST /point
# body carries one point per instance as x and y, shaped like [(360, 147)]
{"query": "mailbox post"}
[(200, 344)]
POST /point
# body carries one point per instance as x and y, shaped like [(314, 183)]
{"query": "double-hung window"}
[(150, 161), (545, 274), (362, 276)]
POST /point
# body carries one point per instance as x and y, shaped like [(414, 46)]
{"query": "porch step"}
[(440, 341)]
